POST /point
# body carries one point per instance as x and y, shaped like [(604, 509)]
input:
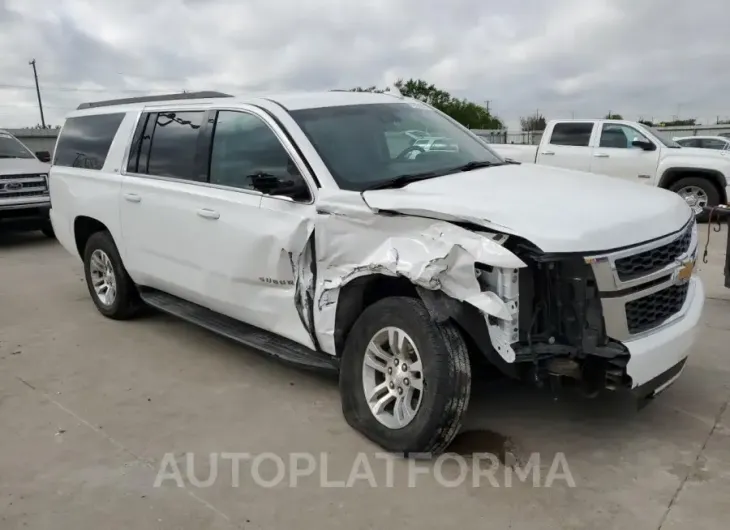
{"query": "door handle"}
[(206, 213), (132, 197), (601, 155), (548, 153)]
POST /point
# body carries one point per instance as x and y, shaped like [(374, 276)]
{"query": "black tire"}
[(446, 375), (126, 302), (706, 185), (48, 231)]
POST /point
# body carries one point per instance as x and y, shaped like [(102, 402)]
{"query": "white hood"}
[(558, 210), (20, 166), (697, 152)]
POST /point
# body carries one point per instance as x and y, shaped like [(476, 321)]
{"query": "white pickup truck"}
[(631, 151)]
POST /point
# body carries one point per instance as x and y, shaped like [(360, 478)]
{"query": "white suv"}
[(303, 225)]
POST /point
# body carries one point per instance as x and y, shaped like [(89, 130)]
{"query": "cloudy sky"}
[(650, 58)]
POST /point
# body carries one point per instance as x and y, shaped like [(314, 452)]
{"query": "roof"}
[(290, 101)]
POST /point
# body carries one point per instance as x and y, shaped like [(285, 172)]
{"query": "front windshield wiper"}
[(402, 180), (476, 164)]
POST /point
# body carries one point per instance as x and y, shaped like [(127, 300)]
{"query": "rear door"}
[(567, 146), (162, 215), (617, 157)]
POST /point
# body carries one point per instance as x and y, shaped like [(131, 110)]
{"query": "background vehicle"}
[(630, 151), (24, 198), (718, 143), (291, 224)]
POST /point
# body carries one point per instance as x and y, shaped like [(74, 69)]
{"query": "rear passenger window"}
[(85, 140), (172, 148), (575, 134)]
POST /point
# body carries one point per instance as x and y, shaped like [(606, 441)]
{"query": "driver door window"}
[(620, 136), (246, 154)]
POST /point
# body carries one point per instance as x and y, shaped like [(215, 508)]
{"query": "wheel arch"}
[(673, 175), (84, 227), (359, 294)]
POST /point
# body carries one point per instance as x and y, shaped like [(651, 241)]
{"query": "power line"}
[(77, 89)]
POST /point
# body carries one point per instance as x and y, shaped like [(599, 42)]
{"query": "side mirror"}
[(644, 144), (270, 184), (43, 156)]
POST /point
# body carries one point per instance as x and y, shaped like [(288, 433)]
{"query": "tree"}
[(648, 123), (536, 122), (611, 116), (370, 89), (466, 112)]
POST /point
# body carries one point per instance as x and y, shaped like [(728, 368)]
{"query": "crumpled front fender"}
[(431, 254)]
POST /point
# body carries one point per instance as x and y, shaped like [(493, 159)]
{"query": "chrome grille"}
[(650, 311), (652, 260), (16, 186), (644, 286)]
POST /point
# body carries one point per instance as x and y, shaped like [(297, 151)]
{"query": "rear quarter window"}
[(85, 140)]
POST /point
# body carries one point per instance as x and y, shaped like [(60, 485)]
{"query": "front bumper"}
[(38, 209), (661, 351)]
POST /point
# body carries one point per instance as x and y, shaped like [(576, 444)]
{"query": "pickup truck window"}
[(363, 145), (247, 153), (85, 140), (571, 133), (10, 147), (620, 136), (173, 144), (711, 143)]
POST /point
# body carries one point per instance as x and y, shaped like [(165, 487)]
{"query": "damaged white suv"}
[(313, 227)]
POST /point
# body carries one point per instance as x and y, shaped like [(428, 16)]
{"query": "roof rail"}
[(164, 97)]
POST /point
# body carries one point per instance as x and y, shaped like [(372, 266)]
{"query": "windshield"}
[(363, 145), (12, 148), (664, 138)]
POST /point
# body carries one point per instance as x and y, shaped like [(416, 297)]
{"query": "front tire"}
[(414, 409), (110, 287), (699, 193), (48, 231)]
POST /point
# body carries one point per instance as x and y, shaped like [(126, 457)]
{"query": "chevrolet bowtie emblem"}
[(685, 273)]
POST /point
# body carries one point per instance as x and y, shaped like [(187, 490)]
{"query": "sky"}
[(562, 58)]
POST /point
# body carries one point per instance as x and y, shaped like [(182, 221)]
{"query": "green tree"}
[(466, 112), (535, 122), (612, 116), (369, 89)]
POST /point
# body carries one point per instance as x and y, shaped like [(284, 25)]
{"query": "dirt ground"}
[(92, 410)]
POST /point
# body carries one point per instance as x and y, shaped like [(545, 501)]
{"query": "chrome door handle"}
[(132, 197), (206, 213), (601, 155), (548, 153)]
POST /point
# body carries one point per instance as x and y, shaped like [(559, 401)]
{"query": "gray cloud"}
[(582, 57)]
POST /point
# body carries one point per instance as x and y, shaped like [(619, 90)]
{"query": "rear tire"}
[(699, 188), (110, 287), (445, 377)]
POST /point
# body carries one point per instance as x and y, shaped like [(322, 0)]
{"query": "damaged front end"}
[(562, 335)]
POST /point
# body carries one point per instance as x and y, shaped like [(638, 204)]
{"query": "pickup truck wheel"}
[(405, 380), (111, 288), (698, 192)]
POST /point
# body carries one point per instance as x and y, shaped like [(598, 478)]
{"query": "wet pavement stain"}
[(502, 447)]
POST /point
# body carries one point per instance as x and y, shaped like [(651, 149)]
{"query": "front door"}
[(617, 157), (265, 213)]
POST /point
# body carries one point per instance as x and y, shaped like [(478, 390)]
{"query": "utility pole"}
[(38, 91), (486, 104)]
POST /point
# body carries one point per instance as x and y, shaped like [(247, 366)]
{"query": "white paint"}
[(253, 258), (632, 164)]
